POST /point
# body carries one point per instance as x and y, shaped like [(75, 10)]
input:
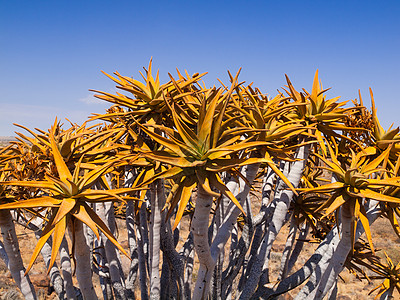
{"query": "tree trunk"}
[(106, 213), (297, 249), (83, 267), (199, 229), (15, 264), (133, 270), (65, 262), (155, 231), (288, 248), (141, 230)]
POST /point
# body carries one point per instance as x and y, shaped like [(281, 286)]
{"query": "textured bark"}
[(15, 264), (174, 261), (154, 247), (282, 199), (187, 254), (238, 253), (297, 249), (103, 271), (263, 221), (327, 276), (141, 230), (333, 292), (3, 254), (199, 229), (65, 262), (106, 213), (134, 267), (215, 293), (188, 275), (288, 249), (338, 259), (165, 280), (232, 211), (83, 266), (300, 275)]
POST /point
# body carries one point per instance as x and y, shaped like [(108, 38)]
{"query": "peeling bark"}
[(15, 264)]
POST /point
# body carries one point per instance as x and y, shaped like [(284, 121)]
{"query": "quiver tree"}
[(180, 153)]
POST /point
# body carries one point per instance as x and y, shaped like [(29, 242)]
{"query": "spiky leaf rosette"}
[(354, 184), (197, 156), (68, 195), (146, 101), (327, 116)]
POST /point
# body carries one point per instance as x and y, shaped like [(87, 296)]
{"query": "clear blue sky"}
[(51, 52)]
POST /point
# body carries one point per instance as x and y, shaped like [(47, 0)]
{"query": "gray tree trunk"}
[(15, 264)]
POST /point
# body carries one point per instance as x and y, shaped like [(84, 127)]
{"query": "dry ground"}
[(350, 288)]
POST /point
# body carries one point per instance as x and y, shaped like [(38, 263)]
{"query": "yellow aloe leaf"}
[(175, 187), (44, 201), (204, 131), (88, 179), (187, 189), (120, 82), (59, 232), (374, 289), (321, 142), (169, 173), (184, 131), (223, 164), (95, 220), (220, 152), (393, 220), (35, 135), (62, 168), (219, 184), (66, 146), (81, 213), (339, 201), (355, 213), (330, 117), (376, 162), (203, 180), (145, 175), (367, 193), (278, 172), (315, 87), (378, 130), (394, 181), (164, 141), (75, 175), (325, 188), (33, 184), (216, 132), (47, 231), (63, 188), (165, 157), (385, 286), (111, 194), (67, 204)]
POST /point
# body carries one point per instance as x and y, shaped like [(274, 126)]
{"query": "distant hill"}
[(5, 139)]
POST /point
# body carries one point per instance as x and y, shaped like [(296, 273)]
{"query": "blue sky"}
[(51, 52)]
